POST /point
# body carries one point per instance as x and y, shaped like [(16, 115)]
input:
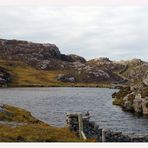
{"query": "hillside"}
[(24, 63), (18, 125)]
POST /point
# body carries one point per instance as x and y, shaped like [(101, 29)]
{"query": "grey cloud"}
[(114, 32)]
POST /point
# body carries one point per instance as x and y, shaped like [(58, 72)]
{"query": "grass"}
[(23, 75), (33, 130)]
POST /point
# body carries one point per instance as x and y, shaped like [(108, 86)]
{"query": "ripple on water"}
[(51, 105)]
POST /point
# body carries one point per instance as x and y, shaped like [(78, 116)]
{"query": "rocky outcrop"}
[(42, 56), (14, 49), (66, 78), (4, 77), (104, 62), (136, 70), (73, 58), (134, 100)]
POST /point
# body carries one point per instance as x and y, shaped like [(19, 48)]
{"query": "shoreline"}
[(16, 124), (46, 86)]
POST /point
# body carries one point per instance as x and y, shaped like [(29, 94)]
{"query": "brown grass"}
[(23, 75), (33, 130)]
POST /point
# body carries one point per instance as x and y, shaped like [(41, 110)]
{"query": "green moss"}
[(119, 102)]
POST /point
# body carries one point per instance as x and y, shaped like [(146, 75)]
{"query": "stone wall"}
[(111, 136), (92, 130)]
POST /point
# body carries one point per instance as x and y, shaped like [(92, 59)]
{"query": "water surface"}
[(52, 104)]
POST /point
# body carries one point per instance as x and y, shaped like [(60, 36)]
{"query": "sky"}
[(119, 33)]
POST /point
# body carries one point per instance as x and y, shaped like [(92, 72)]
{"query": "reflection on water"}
[(52, 104)]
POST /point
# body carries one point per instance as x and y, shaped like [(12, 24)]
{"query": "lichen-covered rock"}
[(137, 105), (145, 80), (66, 78), (144, 92), (131, 97), (121, 93), (76, 58), (145, 106), (128, 106), (133, 100)]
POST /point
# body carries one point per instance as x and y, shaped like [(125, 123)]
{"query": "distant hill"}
[(24, 63)]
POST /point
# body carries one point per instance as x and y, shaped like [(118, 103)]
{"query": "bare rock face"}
[(41, 56), (15, 49)]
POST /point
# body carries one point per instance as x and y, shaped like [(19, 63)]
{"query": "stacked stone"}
[(72, 122), (111, 136), (139, 138), (90, 128)]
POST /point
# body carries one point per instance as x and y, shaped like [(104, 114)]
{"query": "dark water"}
[(52, 104)]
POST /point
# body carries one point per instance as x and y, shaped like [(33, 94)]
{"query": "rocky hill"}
[(25, 63)]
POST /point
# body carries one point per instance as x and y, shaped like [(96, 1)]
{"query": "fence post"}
[(81, 132), (103, 135)]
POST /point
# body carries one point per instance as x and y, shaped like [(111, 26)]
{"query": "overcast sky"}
[(92, 32)]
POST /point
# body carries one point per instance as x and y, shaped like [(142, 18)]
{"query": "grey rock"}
[(128, 106), (145, 107), (145, 80), (137, 105)]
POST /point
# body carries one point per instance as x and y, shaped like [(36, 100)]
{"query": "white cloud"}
[(114, 32)]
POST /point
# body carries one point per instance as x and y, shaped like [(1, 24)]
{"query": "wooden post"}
[(103, 135), (81, 132)]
